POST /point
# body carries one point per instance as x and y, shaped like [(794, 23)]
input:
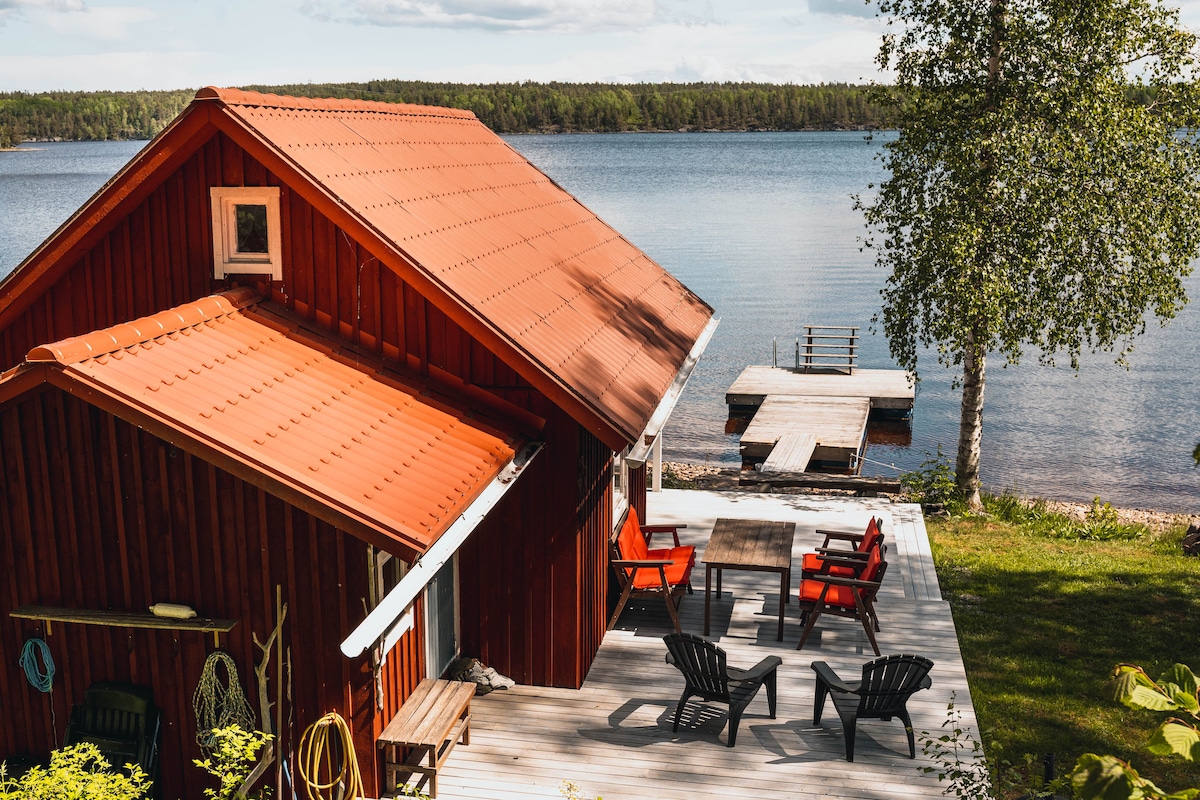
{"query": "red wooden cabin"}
[(362, 354)]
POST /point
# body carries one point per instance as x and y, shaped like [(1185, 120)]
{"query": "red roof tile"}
[(591, 314), (234, 378)]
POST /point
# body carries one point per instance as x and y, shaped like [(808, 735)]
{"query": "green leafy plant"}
[(234, 755), (933, 484), (78, 772), (1109, 778), (960, 761), (1100, 522)]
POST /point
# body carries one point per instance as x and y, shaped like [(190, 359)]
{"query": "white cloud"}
[(562, 16), (105, 23), (11, 9)]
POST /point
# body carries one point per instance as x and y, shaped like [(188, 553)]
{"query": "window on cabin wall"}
[(620, 491), (386, 572), (246, 231), (441, 618)]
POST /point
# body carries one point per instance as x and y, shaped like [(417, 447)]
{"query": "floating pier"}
[(807, 416)]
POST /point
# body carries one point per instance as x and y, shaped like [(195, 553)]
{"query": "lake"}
[(761, 225)]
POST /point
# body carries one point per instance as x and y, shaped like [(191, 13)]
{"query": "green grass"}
[(1043, 616)]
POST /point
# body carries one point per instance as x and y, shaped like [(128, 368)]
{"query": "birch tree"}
[(1044, 189)]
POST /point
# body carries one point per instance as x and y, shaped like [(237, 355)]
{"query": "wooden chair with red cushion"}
[(844, 596), (663, 572), (862, 543)]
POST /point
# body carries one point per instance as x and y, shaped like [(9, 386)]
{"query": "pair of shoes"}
[(477, 675), (497, 681)]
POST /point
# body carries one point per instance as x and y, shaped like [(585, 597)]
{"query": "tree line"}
[(87, 116), (607, 108), (503, 107)]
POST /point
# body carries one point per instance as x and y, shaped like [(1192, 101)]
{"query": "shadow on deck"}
[(613, 737)]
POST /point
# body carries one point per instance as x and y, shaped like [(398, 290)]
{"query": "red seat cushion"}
[(842, 596), (679, 571), (632, 544), (810, 590), (813, 562)]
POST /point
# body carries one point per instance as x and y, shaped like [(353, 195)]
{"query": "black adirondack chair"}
[(886, 685), (708, 676), (122, 721)]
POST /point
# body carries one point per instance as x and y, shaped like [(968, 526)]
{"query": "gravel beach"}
[(709, 477)]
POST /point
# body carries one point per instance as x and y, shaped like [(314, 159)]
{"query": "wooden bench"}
[(432, 720)]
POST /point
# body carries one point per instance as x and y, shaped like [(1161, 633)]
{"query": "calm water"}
[(761, 226)]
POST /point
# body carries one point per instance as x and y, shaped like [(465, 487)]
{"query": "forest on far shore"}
[(503, 107)]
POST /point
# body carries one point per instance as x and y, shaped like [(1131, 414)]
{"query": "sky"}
[(154, 44), (94, 45)]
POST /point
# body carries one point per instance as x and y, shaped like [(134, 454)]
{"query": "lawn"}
[(1043, 620)]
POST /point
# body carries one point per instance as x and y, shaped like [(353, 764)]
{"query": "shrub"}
[(932, 484), (234, 756), (78, 772)]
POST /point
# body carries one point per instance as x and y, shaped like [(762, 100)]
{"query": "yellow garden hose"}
[(328, 765)]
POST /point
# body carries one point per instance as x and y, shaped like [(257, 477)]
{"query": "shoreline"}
[(726, 479)]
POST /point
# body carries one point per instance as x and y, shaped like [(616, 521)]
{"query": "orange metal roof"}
[(222, 376), (595, 316)]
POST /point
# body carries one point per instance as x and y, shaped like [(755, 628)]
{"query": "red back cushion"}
[(871, 537), (872, 569), (631, 540)]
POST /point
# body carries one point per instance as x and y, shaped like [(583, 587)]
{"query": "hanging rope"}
[(217, 704), (39, 675), (327, 752)]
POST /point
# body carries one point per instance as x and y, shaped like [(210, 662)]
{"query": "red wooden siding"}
[(97, 514), (533, 576)]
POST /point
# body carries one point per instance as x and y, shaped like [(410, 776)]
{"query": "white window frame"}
[(227, 260), (432, 657), (620, 485), (380, 563)]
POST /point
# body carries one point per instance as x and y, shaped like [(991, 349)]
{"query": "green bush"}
[(932, 484), (1100, 522), (234, 756), (78, 772)]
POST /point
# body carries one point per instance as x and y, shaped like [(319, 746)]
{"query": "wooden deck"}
[(613, 737)]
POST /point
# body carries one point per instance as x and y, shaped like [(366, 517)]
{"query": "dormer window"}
[(246, 237)]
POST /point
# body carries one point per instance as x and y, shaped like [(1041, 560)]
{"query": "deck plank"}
[(613, 736)]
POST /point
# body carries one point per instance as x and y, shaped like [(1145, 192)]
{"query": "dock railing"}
[(823, 348)]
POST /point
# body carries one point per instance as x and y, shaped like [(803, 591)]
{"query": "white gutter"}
[(396, 602), (640, 451)]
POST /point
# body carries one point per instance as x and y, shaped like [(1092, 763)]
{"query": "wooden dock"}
[(836, 425), (887, 389), (803, 418)]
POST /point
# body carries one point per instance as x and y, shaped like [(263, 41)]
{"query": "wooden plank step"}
[(791, 453), (837, 423)]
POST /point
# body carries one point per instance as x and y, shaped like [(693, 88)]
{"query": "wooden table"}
[(749, 544), (432, 720)]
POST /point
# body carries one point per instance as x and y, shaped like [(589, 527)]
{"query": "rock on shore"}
[(706, 476)]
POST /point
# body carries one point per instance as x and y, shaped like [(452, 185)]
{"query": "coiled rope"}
[(40, 676), (217, 704), (324, 768)]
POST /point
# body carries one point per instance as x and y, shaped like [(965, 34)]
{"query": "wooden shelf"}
[(123, 619)]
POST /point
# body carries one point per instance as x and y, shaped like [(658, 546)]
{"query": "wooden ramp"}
[(613, 737), (887, 389), (836, 425)]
